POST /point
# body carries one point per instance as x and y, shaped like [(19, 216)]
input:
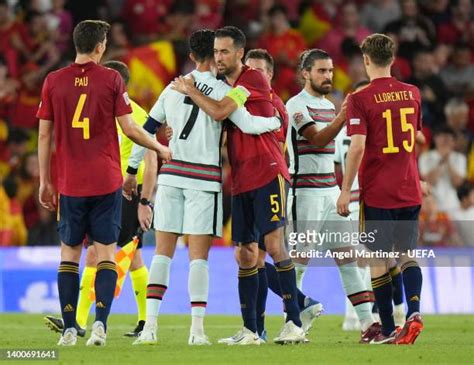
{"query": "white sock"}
[(198, 289), (350, 311), (159, 278), (353, 284), (300, 270)]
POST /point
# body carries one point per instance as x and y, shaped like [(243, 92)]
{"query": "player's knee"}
[(105, 252), (71, 253), (261, 258), (378, 267), (248, 255)]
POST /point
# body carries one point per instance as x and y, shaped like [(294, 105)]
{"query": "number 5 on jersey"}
[(84, 123)]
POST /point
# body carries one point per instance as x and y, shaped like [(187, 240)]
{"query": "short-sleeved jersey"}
[(139, 116), (312, 167), (82, 101), (255, 159), (196, 141), (342, 143), (388, 112)]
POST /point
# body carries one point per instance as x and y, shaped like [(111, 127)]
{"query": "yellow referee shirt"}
[(139, 116)]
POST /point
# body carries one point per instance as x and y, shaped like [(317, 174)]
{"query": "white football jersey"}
[(343, 142), (197, 138), (312, 167)]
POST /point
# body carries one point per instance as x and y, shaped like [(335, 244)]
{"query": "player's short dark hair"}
[(261, 54), (201, 44), (4, 3), (232, 32), (88, 33), (308, 57), (121, 68), (360, 84), (464, 190), (380, 48)]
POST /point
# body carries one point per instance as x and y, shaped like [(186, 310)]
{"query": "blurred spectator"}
[(463, 217), (209, 14), (28, 184), (317, 17), (401, 68), (414, 31), (376, 14), (435, 227), (10, 32), (457, 114), (460, 27), (64, 27), (436, 10), (145, 18), (441, 55), (44, 232), (17, 146), (178, 22), (347, 28), (118, 42), (12, 227), (8, 90), (444, 169), (459, 74), (432, 88), (285, 45)]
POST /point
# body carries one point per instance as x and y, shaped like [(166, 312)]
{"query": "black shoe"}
[(57, 325), (137, 330)]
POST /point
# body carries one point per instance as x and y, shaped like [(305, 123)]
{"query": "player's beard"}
[(323, 89), (227, 70)]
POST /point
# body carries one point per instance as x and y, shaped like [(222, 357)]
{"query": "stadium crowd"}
[(435, 52)]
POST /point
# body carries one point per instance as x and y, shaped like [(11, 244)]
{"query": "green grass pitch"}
[(445, 340)]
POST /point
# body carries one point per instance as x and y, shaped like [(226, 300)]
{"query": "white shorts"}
[(187, 211), (310, 213)]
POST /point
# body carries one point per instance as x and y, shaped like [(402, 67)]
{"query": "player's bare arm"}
[(47, 195), (139, 136), (145, 211), (353, 161), (217, 109), (324, 136)]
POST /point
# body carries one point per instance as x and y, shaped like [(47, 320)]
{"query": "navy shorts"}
[(390, 229), (98, 217), (258, 212)]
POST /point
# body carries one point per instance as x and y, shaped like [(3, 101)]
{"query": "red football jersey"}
[(255, 160), (83, 100), (280, 106), (388, 112)]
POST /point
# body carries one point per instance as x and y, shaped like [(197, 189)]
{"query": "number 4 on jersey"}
[(84, 123)]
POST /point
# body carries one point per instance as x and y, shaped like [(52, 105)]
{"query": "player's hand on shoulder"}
[(129, 187), (183, 84), (343, 203), (47, 196)]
